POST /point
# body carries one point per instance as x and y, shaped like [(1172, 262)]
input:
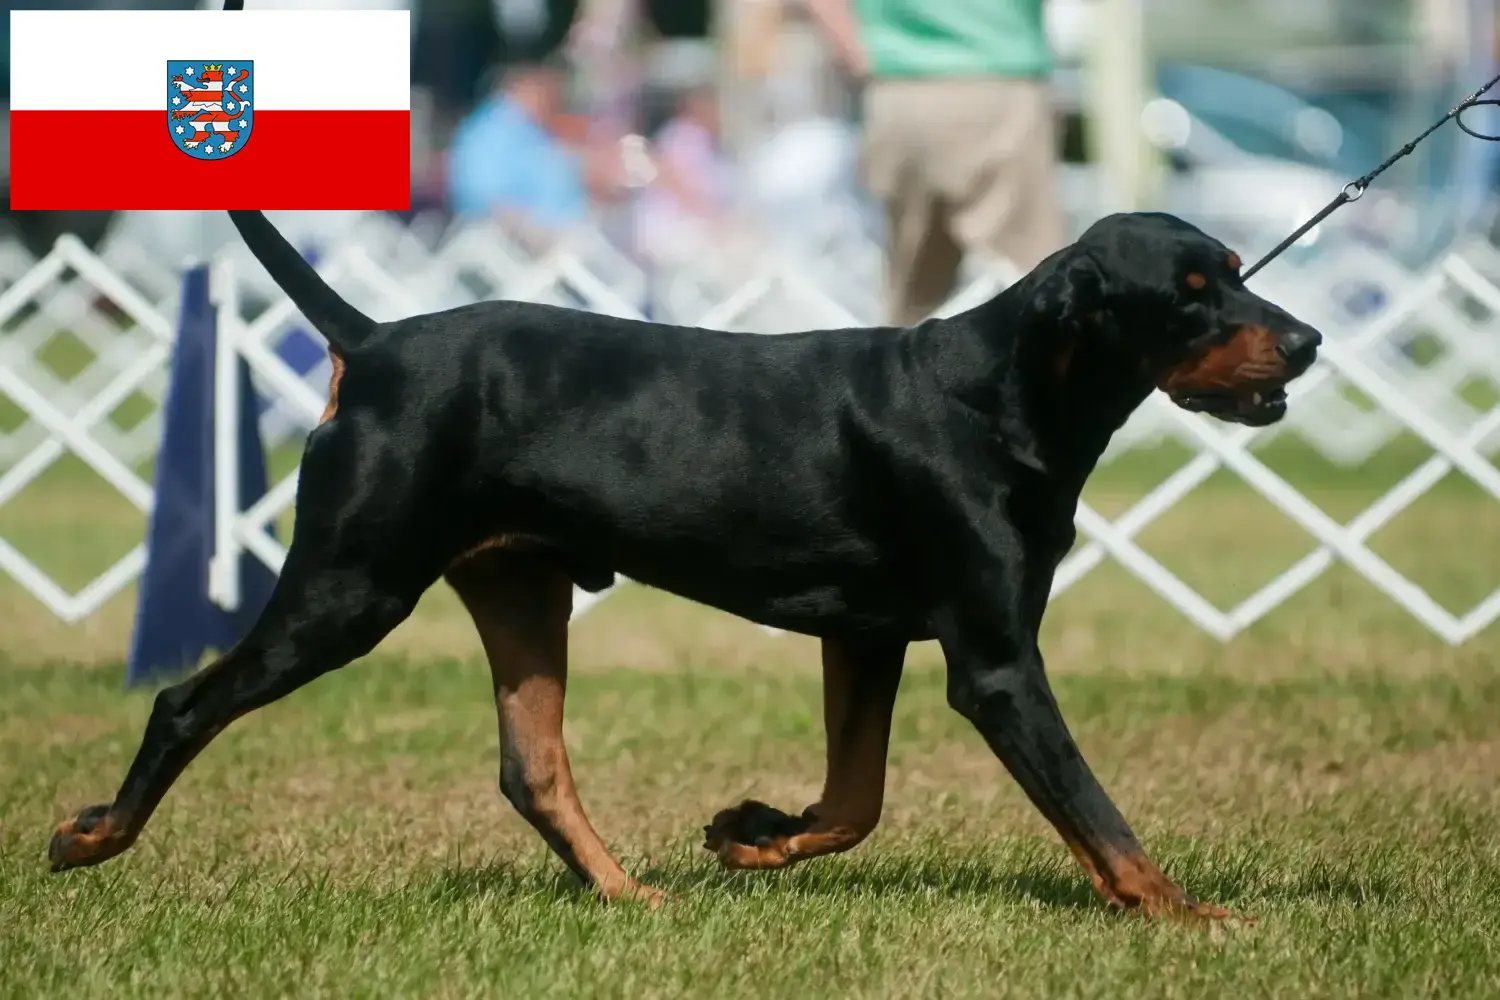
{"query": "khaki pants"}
[(962, 165)]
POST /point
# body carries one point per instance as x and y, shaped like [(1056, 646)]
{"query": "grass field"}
[(1334, 772)]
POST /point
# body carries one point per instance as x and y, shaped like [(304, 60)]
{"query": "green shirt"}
[(937, 38)]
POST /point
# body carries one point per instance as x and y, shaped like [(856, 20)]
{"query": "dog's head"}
[(1172, 304)]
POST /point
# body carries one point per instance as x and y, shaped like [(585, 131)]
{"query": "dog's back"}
[(623, 445)]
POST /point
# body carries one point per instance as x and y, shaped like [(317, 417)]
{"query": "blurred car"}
[(1248, 158), (1264, 119)]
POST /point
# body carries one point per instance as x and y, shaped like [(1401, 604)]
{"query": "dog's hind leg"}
[(318, 619), (860, 678), (354, 572), (521, 604)]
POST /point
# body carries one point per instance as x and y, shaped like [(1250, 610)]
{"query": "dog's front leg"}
[(996, 680), (860, 678)]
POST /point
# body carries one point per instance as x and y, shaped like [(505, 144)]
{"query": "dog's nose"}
[(1298, 347)]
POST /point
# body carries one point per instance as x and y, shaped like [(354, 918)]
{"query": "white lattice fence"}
[(70, 416), (1406, 369), (1438, 353)]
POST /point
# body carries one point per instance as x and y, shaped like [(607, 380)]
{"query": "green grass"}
[(349, 842), (1332, 772)]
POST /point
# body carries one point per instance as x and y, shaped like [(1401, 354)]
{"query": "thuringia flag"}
[(209, 106), (272, 109)]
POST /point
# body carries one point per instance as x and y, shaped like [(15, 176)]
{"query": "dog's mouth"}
[(1258, 407)]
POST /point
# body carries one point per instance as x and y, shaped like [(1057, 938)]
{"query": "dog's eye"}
[(1233, 260), (1196, 281)]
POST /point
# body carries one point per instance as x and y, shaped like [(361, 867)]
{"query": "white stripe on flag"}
[(305, 60)]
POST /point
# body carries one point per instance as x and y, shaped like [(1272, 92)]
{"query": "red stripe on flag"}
[(301, 160)]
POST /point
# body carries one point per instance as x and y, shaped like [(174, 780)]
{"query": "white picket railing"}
[(1452, 308), (61, 420)]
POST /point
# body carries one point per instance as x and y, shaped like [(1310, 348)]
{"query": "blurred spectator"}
[(455, 42), (959, 134), (506, 162), (693, 188), (801, 165)]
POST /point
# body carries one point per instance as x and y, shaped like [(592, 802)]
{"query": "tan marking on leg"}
[(72, 848), (521, 606), (1129, 880), (859, 695)]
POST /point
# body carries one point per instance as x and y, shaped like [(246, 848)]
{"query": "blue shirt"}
[(501, 160)]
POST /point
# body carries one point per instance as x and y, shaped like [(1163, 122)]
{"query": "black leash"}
[(1355, 188)]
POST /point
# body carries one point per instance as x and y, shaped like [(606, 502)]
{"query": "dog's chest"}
[(1046, 528)]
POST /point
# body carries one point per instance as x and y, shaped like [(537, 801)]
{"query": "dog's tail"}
[(343, 325)]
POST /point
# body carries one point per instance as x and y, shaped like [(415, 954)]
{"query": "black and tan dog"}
[(872, 487)]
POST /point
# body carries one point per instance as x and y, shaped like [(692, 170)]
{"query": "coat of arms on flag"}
[(209, 112)]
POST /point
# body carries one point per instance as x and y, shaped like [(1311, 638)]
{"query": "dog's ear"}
[(1077, 294), (1083, 280), (1069, 284)]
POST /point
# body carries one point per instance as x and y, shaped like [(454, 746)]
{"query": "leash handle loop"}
[(1475, 133)]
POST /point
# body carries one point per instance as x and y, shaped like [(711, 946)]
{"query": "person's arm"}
[(841, 28)]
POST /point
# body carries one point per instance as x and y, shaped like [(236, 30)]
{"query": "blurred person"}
[(455, 42), (508, 162), (692, 193), (959, 138), (801, 166)]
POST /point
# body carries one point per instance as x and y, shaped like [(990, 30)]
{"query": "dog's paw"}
[(86, 839), (1192, 911), (649, 896), (1176, 904), (753, 835)]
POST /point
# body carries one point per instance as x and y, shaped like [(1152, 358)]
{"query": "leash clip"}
[(1359, 188)]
